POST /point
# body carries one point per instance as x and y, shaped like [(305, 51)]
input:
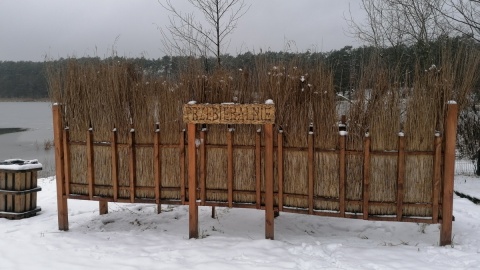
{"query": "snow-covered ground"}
[(133, 236)]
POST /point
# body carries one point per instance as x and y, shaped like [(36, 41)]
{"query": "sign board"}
[(257, 114)]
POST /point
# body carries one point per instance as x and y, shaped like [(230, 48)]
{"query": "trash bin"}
[(18, 188)]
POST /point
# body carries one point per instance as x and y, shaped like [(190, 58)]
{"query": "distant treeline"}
[(25, 79)]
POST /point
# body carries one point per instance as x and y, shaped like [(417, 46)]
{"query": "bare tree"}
[(463, 16), (394, 22), (188, 36)]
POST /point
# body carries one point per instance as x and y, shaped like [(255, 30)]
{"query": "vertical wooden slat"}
[(437, 174), (28, 196), (400, 175), (114, 149), (34, 194), (90, 163), (10, 186), (19, 185), (258, 168), (230, 166), (67, 163), (280, 169), (182, 166), (366, 175), (448, 174), (132, 164), (311, 170), (3, 197), (157, 168), (342, 173), (203, 165), (269, 212), (62, 206), (192, 183)]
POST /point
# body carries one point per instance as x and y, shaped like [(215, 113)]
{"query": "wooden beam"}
[(90, 163), (258, 168), (203, 165), (114, 151), (157, 167), (366, 175), (181, 151), (280, 169), (448, 174), (311, 171), (192, 183), (230, 166), (269, 212), (342, 173), (400, 175), (67, 159), (132, 164), (62, 206), (437, 176)]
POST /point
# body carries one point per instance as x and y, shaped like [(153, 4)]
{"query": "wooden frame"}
[(441, 205)]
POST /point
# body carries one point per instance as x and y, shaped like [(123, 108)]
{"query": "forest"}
[(27, 80)]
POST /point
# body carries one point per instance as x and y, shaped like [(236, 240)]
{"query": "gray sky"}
[(33, 29)]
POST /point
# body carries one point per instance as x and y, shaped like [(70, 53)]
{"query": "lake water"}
[(36, 117)]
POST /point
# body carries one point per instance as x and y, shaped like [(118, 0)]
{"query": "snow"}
[(133, 236), (17, 164), (269, 102), (192, 102), (451, 102), (343, 133)]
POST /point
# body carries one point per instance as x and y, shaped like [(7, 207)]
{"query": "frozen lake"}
[(36, 119)]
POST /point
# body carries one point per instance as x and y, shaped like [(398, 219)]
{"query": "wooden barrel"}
[(18, 191)]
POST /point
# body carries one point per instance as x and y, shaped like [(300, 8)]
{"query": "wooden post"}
[(157, 167), (280, 169), (132, 164), (448, 173), (269, 213), (103, 207), (437, 176), (400, 174), (258, 169), (230, 166), (192, 183), (366, 175), (62, 206), (311, 170), (67, 164), (90, 163), (342, 173), (182, 166), (114, 150), (203, 165)]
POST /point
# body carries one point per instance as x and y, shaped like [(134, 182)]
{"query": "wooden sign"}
[(257, 114)]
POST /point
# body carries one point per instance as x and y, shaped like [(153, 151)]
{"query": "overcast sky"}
[(30, 30)]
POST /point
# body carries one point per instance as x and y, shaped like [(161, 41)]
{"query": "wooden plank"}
[(258, 168), (90, 163), (192, 183), (448, 174), (181, 151), (400, 175), (280, 169), (230, 167), (311, 171), (366, 175), (342, 174), (132, 164), (157, 167), (254, 114), (67, 159), (10, 186), (28, 196), (437, 176), (103, 207), (34, 194), (19, 185), (62, 206), (203, 165), (114, 150), (269, 211), (3, 197)]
